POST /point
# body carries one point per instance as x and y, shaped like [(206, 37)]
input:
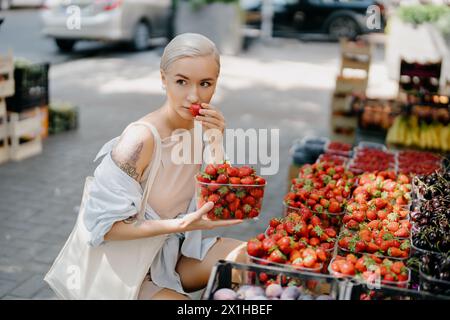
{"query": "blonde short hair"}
[(188, 45)]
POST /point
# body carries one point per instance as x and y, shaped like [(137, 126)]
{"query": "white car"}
[(134, 21), (7, 4)]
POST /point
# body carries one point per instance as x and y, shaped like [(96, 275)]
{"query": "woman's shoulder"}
[(134, 150)]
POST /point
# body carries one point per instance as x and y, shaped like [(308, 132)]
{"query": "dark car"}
[(338, 18)]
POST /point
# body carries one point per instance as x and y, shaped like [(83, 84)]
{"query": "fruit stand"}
[(359, 223)]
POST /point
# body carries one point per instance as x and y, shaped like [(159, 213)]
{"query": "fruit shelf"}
[(226, 274), (371, 275)]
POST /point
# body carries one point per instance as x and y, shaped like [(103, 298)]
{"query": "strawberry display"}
[(340, 148), (334, 158), (377, 242), (236, 192), (371, 269), (322, 188), (418, 162), (301, 242), (371, 159)]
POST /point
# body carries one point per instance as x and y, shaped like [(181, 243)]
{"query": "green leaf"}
[(318, 230), (388, 236), (223, 190), (405, 245), (240, 193), (392, 216), (218, 211)]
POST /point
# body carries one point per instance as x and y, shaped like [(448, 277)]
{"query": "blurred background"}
[(73, 74)]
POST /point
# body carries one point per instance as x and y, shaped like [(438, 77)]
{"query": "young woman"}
[(190, 68)]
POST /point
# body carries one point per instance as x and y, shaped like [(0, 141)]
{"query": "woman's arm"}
[(197, 220)]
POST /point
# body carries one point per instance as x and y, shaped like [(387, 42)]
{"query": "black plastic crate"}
[(360, 291), (31, 87), (250, 274)]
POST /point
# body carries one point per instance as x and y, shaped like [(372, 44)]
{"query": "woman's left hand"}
[(211, 118)]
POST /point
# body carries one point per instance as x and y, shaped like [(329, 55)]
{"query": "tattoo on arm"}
[(129, 166), (133, 220)]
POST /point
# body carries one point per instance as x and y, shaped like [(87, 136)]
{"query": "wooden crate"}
[(6, 75), (4, 147), (341, 103), (29, 128), (346, 85), (345, 138), (355, 47)]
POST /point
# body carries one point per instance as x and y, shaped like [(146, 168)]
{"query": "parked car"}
[(7, 4), (338, 18), (134, 21)]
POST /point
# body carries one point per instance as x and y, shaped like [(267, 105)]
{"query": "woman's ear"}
[(163, 78)]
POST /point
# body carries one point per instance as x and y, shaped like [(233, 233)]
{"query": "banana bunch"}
[(408, 132)]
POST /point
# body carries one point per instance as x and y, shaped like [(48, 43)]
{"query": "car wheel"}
[(141, 37), (65, 45), (343, 27), (5, 4)]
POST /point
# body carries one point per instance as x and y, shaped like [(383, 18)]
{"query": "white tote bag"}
[(112, 271)]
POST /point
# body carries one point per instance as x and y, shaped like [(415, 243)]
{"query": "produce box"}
[(62, 117), (31, 87), (237, 281), (6, 76), (367, 292), (237, 193)]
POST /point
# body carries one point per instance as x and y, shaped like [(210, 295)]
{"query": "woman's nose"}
[(193, 95)]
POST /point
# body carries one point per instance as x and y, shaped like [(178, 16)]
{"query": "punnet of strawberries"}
[(322, 188), (237, 192), (371, 269), (294, 241)]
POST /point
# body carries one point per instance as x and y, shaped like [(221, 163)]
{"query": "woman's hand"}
[(211, 118), (198, 220)]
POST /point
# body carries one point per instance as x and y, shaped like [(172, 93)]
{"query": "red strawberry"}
[(260, 181), (255, 248), (253, 213), (230, 197), (285, 244), (395, 252), (235, 180), (235, 205), (249, 200), (211, 170), (245, 171), (257, 193), (214, 198), (222, 179), (248, 181), (268, 244), (289, 227), (202, 177), (274, 222), (233, 172), (238, 214), (195, 109), (261, 236), (225, 213), (334, 207), (277, 256), (372, 247)]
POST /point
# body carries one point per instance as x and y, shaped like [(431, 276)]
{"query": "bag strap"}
[(156, 161)]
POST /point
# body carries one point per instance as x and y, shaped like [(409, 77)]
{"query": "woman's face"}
[(190, 80)]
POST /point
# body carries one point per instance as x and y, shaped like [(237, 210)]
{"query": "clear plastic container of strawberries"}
[(237, 192)]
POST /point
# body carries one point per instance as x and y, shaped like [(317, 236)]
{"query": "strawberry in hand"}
[(195, 109)]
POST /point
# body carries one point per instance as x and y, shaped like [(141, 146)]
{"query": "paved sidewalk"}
[(287, 85)]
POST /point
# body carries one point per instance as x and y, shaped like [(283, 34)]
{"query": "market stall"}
[(362, 223)]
